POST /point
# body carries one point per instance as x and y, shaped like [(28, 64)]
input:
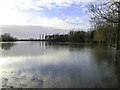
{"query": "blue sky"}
[(57, 14)]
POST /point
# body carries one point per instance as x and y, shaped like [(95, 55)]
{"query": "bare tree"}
[(107, 11)]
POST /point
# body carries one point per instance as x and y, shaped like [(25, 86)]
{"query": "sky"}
[(43, 16)]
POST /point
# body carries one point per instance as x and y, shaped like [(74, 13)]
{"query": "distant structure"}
[(42, 37)]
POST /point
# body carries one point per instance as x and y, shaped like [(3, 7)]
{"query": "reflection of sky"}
[(57, 67)]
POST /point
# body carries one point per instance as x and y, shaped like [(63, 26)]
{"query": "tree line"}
[(7, 37), (101, 35), (72, 36)]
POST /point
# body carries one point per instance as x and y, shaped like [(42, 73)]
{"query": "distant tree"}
[(89, 36), (99, 36), (7, 37), (77, 36)]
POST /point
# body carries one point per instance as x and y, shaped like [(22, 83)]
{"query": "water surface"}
[(54, 65)]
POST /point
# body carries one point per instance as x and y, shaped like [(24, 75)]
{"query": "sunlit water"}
[(53, 65)]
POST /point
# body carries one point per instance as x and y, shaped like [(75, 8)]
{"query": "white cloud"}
[(39, 4), (8, 14), (12, 17), (59, 3), (67, 23), (11, 13)]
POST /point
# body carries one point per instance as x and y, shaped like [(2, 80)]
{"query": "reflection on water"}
[(61, 65), (7, 46)]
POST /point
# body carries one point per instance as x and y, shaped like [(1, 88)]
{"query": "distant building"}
[(42, 36)]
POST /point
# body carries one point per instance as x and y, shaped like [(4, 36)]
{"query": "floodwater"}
[(57, 65)]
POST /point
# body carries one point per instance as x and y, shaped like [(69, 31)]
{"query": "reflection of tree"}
[(7, 46), (64, 45), (108, 59), (103, 55), (117, 63)]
